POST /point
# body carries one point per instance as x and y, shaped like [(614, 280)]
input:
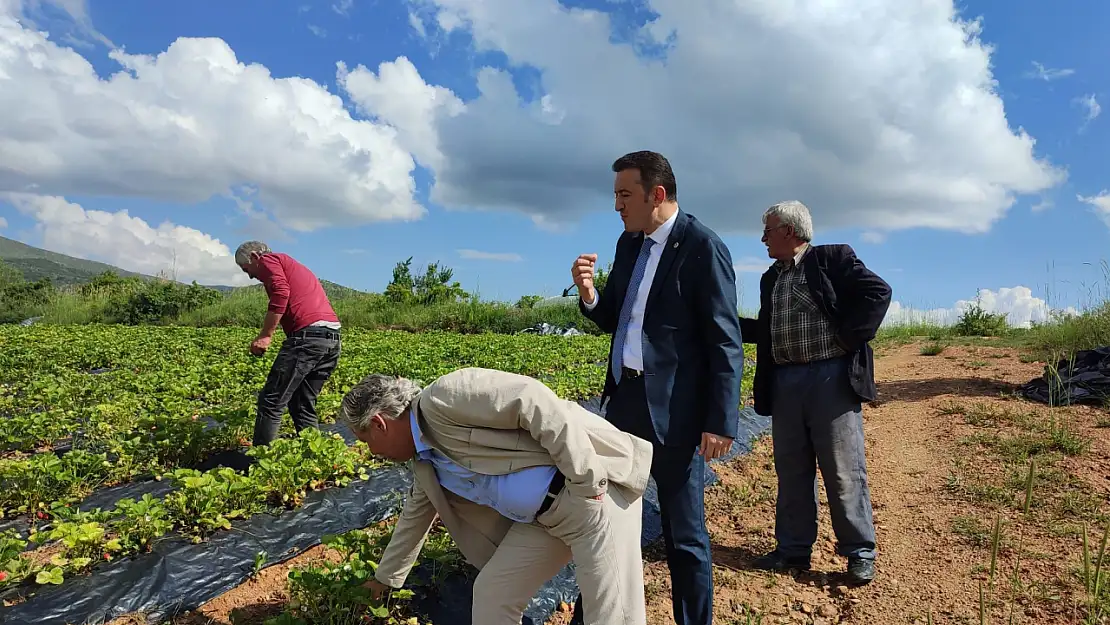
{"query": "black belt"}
[(552, 492), (630, 374), (324, 333)]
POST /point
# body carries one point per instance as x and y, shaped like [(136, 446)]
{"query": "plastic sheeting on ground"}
[(107, 497), (179, 576), (548, 329), (1082, 379)]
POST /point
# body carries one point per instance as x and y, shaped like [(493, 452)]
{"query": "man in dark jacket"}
[(819, 308), (310, 352), (676, 358)]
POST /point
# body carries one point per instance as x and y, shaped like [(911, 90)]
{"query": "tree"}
[(400, 289), (434, 287)]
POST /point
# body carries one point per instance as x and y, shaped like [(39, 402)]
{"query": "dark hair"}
[(654, 168)]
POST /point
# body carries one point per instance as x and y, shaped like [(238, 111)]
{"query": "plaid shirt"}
[(800, 332)]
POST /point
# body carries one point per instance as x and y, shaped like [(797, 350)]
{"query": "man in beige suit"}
[(524, 482)]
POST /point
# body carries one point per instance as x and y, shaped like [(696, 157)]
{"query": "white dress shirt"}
[(633, 355)]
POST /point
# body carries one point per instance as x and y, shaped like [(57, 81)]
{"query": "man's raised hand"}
[(583, 274)]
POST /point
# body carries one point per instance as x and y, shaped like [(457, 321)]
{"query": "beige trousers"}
[(603, 539)]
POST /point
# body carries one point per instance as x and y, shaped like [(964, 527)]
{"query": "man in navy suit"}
[(675, 360), (819, 307)]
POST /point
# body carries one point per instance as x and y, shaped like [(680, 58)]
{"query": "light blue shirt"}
[(516, 495)]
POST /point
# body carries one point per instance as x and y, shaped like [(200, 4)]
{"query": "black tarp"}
[(179, 576), (1081, 379)]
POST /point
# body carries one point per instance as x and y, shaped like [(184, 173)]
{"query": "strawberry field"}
[(112, 494)]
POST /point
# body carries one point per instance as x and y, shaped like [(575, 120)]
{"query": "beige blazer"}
[(493, 422)]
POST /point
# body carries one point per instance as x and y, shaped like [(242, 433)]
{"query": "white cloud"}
[(3, 223), (29, 11), (129, 242), (751, 264), (1092, 109), (417, 24), (398, 96), (1046, 74), (878, 114), (1101, 204), (498, 256), (872, 236), (1021, 308), (1043, 204), (188, 124), (318, 31), (343, 7)]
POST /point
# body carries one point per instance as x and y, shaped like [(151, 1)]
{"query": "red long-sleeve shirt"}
[(294, 292)]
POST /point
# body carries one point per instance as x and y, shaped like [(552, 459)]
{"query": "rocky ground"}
[(949, 449)]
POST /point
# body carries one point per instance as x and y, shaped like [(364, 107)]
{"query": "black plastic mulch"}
[(179, 576), (1082, 379)]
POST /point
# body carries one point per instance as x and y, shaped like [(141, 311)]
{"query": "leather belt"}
[(630, 374), (553, 491), (324, 333)]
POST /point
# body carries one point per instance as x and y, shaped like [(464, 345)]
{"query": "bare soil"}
[(948, 445)]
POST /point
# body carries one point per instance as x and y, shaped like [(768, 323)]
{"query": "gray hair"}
[(243, 254), (377, 394), (794, 214)]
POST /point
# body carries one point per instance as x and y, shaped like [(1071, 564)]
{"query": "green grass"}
[(1050, 341), (1066, 335)]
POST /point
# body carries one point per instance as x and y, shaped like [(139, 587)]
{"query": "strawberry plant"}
[(15, 566), (124, 403), (288, 468), (207, 502), (140, 522), (333, 594)]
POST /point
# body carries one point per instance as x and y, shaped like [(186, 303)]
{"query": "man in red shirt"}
[(311, 349)]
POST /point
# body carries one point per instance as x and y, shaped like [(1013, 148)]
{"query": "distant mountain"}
[(36, 264), (333, 290)]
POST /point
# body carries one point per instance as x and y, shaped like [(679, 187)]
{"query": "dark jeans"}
[(304, 362), (679, 475), (818, 420)]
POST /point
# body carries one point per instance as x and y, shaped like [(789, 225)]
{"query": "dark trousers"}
[(305, 361), (818, 421), (679, 474)]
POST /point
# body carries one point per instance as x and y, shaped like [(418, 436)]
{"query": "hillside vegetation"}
[(413, 301)]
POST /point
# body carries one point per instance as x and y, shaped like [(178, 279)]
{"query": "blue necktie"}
[(626, 308)]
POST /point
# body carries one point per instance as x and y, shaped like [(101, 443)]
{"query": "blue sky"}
[(894, 137)]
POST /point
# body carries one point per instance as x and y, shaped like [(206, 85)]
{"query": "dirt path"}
[(933, 538), (948, 447)]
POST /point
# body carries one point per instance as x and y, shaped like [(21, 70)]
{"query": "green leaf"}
[(51, 576)]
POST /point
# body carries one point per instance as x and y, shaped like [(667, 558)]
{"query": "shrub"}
[(975, 321), (158, 300), (20, 299)]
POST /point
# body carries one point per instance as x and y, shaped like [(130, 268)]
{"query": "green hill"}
[(35, 264)]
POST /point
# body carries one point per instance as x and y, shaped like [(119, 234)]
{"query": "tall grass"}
[(247, 308), (1066, 334), (1060, 336)]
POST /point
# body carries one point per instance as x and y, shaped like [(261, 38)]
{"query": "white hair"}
[(243, 254), (794, 214), (377, 394)]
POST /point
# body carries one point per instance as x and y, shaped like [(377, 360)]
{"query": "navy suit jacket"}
[(693, 355), (850, 294)]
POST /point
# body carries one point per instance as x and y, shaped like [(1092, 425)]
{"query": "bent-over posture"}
[(523, 481), (310, 352)]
